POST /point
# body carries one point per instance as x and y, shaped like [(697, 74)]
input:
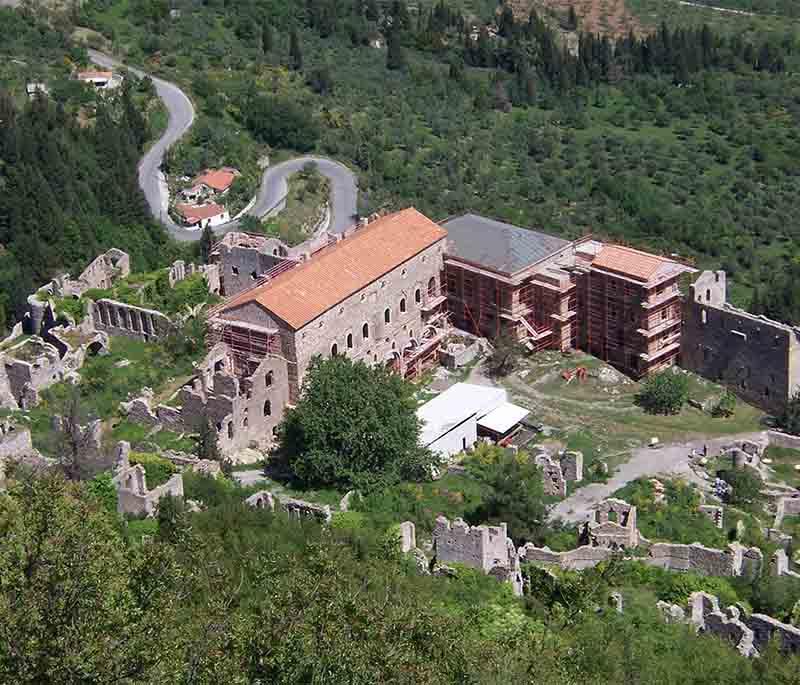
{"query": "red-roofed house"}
[(200, 216), (211, 183)]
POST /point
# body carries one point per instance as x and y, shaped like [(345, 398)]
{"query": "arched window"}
[(349, 341), (432, 287), (244, 422), (230, 430), (387, 315), (365, 331), (403, 305), (708, 294), (268, 379), (417, 296), (267, 408), (334, 350)]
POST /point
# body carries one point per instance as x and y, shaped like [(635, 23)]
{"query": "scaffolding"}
[(249, 345)]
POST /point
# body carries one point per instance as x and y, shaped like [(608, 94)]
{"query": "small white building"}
[(200, 216), (452, 421)]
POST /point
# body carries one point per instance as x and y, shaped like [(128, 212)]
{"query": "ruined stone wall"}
[(368, 306), (750, 634), (119, 318), (481, 547), (241, 265), (180, 270), (786, 506), (15, 442), (736, 560), (244, 411), (757, 358), (572, 560)]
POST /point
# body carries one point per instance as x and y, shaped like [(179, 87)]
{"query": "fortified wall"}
[(133, 496), (757, 358)]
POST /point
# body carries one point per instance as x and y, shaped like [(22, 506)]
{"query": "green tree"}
[(206, 244), (516, 497), (726, 406), (395, 53), (207, 446), (789, 419), (745, 486), (295, 53), (354, 425), (102, 488), (505, 355), (76, 604), (664, 393)]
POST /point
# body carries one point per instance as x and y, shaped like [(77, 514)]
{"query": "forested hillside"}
[(686, 141), (68, 180)]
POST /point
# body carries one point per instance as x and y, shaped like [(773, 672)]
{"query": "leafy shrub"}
[(157, 469), (348, 520), (664, 393), (726, 406), (746, 486), (102, 488), (674, 587), (72, 307)]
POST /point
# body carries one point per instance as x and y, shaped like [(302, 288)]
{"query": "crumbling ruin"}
[(613, 525), (243, 403), (133, 496), (294, 508), (120, 318), (180, 270), (556, 471), (750, 634), (487, 548)]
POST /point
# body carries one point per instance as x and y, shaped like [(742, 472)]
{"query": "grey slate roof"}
[(498, 246)]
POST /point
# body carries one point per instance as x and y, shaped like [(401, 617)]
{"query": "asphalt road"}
[(344, 188)]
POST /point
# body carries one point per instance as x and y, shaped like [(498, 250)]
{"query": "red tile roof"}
[(195, 213), (218, 179), (641, 266), (300, 295)]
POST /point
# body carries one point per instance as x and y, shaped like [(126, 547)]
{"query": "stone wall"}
[(786, 506), (14, 441), (572, 560), (487, 548), (294, 508), (750, 634), (612, 524), (242, 258), (779, 439), (180, 270), (343, 325), (754, 356), (133, 496), (119, 318), (408, 536), (244, 411), (780, 566), (714, 513)]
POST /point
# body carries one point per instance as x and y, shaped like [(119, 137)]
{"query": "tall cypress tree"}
[(295, 53), (395, 55)]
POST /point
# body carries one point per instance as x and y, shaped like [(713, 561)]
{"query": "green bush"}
[(72, 307), (158, 470), (348, 520), (102, 488), (726, 406), (664, 393), (746, 487), (674, 587)]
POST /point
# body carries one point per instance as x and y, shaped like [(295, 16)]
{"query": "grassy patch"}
[(157, 469), (783, 464), (602, 419)]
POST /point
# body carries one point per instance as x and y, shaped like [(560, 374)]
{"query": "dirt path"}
[(672, 459)]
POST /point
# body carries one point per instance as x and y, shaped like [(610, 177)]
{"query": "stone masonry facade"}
[(757, 358)]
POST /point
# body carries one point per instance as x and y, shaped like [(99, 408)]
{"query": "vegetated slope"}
[(604, 17), (68, 183), (685, 142)]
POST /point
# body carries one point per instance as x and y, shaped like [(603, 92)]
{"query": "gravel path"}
[(671, 459)]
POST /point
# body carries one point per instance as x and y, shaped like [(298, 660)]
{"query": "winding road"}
[(344, 186)]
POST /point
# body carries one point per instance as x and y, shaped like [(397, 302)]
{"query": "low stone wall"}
[(734, 561), (293, 507), (779, 439)]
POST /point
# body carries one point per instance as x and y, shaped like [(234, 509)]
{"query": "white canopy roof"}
[(456, 405), (503, 418)]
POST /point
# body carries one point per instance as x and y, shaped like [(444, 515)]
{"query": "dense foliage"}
[(238, 596), (354, 425)]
